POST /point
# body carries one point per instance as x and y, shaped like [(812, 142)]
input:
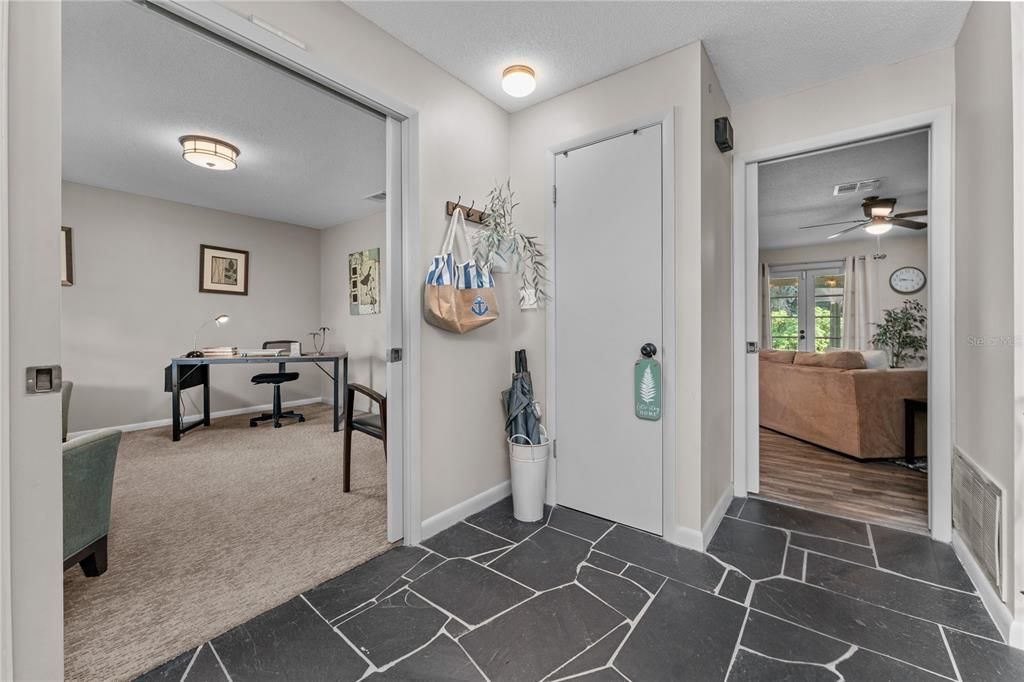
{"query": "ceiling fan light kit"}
[(880, 218)]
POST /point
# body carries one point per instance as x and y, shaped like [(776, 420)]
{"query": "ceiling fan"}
[(880, 218)]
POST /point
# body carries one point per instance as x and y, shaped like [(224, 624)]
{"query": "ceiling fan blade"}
[(911, 214), (841, 222), (912, 224), (852, 227)]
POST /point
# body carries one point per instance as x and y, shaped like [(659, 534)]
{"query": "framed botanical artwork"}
[(223, 270), (67, 262), (364, 282)]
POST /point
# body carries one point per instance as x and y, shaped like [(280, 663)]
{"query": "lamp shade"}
[(209, 152), (878, 225)]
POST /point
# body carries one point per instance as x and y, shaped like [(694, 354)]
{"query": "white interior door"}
[(608, 288)]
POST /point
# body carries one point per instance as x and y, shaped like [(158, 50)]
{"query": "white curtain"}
[(859, 302), (766, 312)]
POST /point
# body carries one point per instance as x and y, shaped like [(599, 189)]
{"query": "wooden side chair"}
[(374, 425)]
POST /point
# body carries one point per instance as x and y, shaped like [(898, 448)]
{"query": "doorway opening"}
[(222, 328), (843, 259)]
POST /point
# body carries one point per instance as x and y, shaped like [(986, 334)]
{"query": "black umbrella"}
[(521, 418)]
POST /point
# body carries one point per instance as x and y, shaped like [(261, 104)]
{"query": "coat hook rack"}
[(472, 214)]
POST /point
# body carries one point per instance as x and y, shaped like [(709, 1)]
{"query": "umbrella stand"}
[(528, 445)]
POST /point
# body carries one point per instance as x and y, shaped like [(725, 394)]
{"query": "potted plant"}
[(504, 248), (902, 333)]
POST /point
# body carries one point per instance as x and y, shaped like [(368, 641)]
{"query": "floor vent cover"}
[(977, 516)]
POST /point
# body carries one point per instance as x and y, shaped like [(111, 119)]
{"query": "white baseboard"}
[(716, 516), (685, 537), (449, 517), (999, 611), (194, 418)]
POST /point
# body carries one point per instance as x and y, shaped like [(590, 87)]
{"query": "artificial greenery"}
[(902, 333), (500, 239)]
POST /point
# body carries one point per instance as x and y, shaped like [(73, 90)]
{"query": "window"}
[(806, 308)]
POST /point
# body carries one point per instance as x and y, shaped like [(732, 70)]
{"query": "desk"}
[(339, 360)]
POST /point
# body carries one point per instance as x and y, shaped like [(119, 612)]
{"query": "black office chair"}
[(276, 378)]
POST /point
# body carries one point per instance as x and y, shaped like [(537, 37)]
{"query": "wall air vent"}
[(377, 196), (977, 516), (856, 187)]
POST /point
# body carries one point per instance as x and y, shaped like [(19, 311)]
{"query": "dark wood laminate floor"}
[(806, 475)]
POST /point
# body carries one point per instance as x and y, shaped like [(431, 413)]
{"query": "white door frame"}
[(667, 353), (940, 302), (402, 233), (403, 229)]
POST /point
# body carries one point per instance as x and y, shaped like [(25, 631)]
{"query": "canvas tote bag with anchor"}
[(458, 296)]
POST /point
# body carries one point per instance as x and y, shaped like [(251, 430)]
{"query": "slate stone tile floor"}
[(781, 594)]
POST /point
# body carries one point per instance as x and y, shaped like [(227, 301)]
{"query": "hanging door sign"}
[(647, 385)]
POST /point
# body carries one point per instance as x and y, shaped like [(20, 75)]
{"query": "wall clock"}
[(907, 280)]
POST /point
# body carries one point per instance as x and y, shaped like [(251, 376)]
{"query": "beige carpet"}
[(215, 529)]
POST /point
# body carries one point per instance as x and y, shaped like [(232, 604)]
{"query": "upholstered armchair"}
[(88, 483)]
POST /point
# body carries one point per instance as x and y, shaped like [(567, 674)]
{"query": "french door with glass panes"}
[(806, 308)]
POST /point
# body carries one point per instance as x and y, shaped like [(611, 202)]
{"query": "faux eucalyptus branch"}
[(499, 239)]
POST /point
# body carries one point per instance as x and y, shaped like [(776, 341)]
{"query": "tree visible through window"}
[(793, 308)]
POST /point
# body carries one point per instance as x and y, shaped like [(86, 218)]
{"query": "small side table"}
[(911, 408)]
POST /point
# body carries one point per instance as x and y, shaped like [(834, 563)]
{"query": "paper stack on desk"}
[(220, 352), (261, 352)]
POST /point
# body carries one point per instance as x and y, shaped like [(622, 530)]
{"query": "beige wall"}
[(136, 303), (912, 86), (984, 409), (901, 252), (619, 100), (716, 298), (363, 336), (463, 148)]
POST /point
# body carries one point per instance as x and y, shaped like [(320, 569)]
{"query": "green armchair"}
[(88, 483)]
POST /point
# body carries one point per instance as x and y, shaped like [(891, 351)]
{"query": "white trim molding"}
[(6, 623), (940, 301), (452, 515), (192, 419), (990, 598)]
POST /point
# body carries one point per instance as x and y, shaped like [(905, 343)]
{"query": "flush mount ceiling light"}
[(209, 152), (518, 80)]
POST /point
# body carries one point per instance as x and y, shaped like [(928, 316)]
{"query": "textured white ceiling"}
[(758, 49), (797, 192), (135, 81)]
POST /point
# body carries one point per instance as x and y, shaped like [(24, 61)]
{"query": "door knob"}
[(648, 350)]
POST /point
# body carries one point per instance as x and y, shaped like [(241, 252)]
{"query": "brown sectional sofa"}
[(829, 399)]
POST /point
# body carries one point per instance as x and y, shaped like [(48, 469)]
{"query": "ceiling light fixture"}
[(878, 225), (209, 152), (518, 80)]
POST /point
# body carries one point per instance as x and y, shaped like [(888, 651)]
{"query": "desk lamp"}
[(220, 321)]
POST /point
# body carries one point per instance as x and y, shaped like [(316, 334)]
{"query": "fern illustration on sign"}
[(647, 389)]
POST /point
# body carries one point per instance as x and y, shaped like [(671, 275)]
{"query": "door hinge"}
[(394, 355), (554, 194)]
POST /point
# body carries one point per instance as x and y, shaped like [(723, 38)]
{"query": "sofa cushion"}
[(875, 359), (847, 359), (784, 357)]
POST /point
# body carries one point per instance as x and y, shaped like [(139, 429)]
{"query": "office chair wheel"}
[(301, 418), (277, 425), (252, 423)]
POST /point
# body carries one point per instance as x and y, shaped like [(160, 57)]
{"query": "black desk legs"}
[(206, 397), (337, 403), (176, 403)]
